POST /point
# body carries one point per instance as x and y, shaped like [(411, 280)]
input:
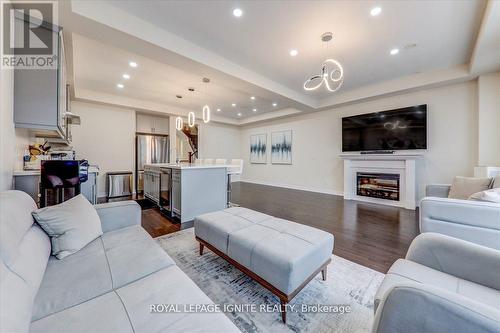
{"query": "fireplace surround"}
[(399, 169)]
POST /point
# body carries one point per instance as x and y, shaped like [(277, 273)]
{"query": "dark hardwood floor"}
[(157, 224), (368, 234), (152, 220)]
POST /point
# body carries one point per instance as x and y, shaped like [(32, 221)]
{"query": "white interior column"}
[(488, 120), (172, 139)]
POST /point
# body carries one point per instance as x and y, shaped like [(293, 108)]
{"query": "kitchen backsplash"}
[(23, 140)]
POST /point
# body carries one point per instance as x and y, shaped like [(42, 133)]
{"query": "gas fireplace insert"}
[(378, 185)]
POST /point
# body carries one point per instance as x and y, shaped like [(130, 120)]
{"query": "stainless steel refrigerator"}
[(149, 148)]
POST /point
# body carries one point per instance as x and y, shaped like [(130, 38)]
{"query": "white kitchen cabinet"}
[(152, 186), (144, 123), (150, 124), (40, 100), (176, 191), (161, 125)]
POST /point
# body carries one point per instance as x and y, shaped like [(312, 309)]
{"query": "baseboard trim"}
[(294, 187)]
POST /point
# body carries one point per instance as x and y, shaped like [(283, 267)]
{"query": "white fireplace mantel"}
[(403, 164)]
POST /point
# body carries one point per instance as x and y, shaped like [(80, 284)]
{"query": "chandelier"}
[(179, 123), (331, 75), (206, 108)]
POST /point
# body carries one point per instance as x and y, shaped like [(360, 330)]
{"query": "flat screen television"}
[(399, 129)]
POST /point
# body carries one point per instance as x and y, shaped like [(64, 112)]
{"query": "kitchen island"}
[(186, 190)]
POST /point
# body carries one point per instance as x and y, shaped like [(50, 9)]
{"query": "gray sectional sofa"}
[(444, 285), (473, 221), (108, 286)]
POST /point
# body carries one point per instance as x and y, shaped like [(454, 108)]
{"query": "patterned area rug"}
[(349, 285)]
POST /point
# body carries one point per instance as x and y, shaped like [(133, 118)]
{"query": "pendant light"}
[(191, 119), (178, 123), (206, 114), (206, 108)]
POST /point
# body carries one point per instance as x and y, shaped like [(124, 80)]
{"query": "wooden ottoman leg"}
[(201, 248), (323, 273), (283, 310)]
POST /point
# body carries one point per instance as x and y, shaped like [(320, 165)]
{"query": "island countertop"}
[(182, 166)]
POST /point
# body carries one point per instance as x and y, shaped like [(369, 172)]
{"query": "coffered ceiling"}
[(101, 67), (177, 43), (262, 37)]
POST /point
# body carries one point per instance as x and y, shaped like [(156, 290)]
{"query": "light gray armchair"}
[(473, 221), (444, 285)]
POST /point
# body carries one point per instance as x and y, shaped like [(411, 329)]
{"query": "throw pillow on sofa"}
[(496, 182), (492, 195), (71, 225), (464, 187)]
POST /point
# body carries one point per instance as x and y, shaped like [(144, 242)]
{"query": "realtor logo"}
[(29, 35)]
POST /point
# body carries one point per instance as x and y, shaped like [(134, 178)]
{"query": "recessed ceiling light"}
[(132, 64), (178, 96), (252, 98), (394, 51), (375, 11), (254, 110), (126, 76), (233, 105), (294, 52), (275, 104), (410, 46), (237, 12), (239, 114), (121, 86), (218, 110)]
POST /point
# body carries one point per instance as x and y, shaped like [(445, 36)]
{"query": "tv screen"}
[(398, 129)]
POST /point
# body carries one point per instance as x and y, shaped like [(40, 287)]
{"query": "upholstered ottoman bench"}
[(282, 256)]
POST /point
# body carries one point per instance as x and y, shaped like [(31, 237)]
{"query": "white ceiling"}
[(176, 43), (260, 40), (99, 67)]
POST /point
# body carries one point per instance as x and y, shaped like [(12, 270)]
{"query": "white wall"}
[(7, 132), (218, 140), (105, 137), (13, 141), (452, 140), (489, 120)]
